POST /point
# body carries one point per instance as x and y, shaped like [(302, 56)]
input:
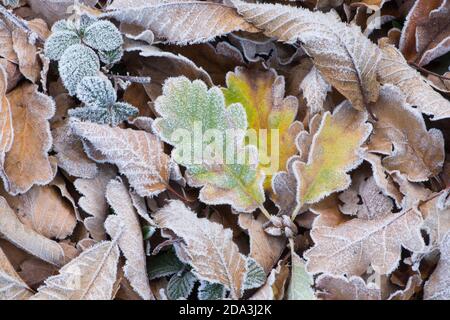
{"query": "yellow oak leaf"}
[(269, 114), (336, 149)]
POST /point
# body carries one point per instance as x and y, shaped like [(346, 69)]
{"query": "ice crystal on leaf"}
[(77, 62), (103, 35), (58, 42), (96, 92)]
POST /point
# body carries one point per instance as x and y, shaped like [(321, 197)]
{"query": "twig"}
[(135, 79), (416, 66), (19, 23)]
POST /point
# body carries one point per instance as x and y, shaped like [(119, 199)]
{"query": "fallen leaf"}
[(274, 287), (26, 238), (6, 127), (341, 288), (130, 242), (28, 163), (400, 132), (90, 276), (269, 114), (350, 66), (300, 286), (393, 69), (213, 254), (315, 90), (200, 22), (12, 287), (336, 149), (138, 155), (437, 287), (351, 247)]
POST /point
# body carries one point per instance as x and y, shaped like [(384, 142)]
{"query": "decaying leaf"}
[(438, 286), (351, 247), (26, 238), (342, 288), (27, 163), (90, 276), (315, 90), (394, 69), (6, 127), (182, 22), (336, 149), (12, 287), (137, 154), (341, 53), (213, 254), (130, 242), (400, 132)]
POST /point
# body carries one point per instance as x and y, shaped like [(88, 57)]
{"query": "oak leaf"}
[(27, 163), (261, 93), (331, 287), (12, 287), (342, 54), (336, 149)]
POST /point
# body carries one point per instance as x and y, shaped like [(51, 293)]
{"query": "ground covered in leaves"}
[(172, 149)]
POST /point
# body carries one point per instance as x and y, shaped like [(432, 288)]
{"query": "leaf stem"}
[(135, 79), (264, 211), (416, 66)]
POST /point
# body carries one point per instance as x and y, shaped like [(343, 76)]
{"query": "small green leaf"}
[(77, 62), (300, 287), (58, 42), (180, 286), (255, 276), (164, 264), (96, 92), (103, 35), (211, 291)]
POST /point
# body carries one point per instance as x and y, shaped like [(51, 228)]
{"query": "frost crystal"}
[(103, 35), (111, 57), (101, 107), (84, 22), (60, 25), (58, 42), (77, 62), (96, 92)]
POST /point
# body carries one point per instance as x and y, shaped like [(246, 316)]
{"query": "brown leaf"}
[(53, 10), (27, 163), (213, 254), (138, 155), (438, 286), (394, 69), (93, 200), (352, 246), (6, 128), (181, 22), (341, 288), (12, 287), (90, 276), (426, 34), (26, 238), (131, 242), (275, 286), (400, 132), (265, 249)]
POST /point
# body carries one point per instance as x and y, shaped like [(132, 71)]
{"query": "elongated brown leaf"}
[(341, 288), (342, 54), (27, 163), (6, 128), (12, 287), (438, 286), (90, 276), (180, 21), (26, 238), (138, 155), (394, 69), (131, 242), (213, 254)]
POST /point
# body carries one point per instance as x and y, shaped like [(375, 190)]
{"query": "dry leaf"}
[(26, 238), (90, 276), (438, 286), (138, 155), (181, 22), (394, 69), (213, 254), (93, 201), (6, 127), (341, 53), (27, 163), (274, 287), (265, 249), (12, 287), (351, 247), (130, 242), (400, 132), (315, 90), (341, 288)]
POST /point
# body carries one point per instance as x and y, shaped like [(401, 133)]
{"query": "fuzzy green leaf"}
[(103, 35), (211, 291), (164, 264), (255, 276), (58, 42), (96, 92), (180, 286)]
